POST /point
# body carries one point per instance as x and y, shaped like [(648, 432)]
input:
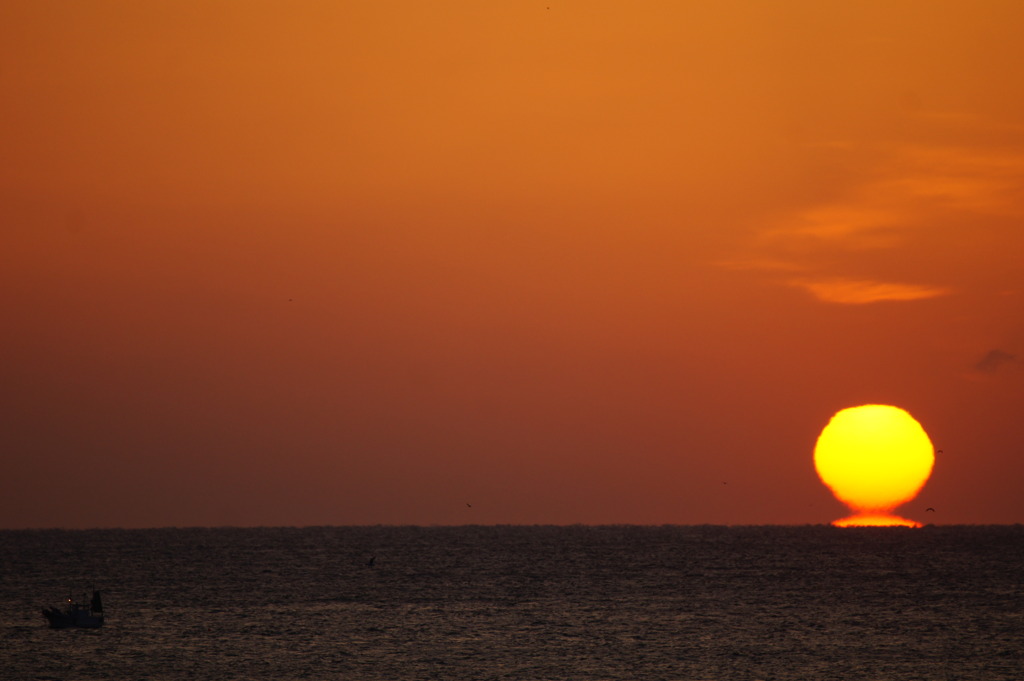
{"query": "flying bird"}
[(929, 509)]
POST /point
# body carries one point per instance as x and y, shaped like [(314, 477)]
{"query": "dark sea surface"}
[(532, 603)]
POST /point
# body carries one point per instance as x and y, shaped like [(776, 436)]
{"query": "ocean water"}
[(531, 603)]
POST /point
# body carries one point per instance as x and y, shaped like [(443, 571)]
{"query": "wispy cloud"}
[(897, 206), (863, 291), (859, 226), (908, 191), (979, 181)]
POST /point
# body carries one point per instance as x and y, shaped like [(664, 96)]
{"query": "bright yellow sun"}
[(874, 458)]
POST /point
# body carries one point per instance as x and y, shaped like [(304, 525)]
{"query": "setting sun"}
[(874, 458)]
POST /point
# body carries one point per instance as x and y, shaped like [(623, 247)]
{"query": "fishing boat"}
[(75, 614)]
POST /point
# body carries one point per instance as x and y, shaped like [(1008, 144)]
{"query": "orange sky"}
[(569, 262)]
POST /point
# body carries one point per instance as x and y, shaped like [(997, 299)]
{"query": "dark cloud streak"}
[(993, 360)]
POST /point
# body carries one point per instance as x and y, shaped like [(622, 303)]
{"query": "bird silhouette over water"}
[(929, 509)]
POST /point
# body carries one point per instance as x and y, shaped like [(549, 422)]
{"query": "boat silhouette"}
[(75, 614)]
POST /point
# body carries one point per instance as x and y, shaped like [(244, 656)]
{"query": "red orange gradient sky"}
[(503, 262)]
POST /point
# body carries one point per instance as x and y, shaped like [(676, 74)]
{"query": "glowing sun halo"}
[(874, 458)]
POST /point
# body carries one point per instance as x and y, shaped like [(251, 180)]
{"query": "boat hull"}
[(66, 619)]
